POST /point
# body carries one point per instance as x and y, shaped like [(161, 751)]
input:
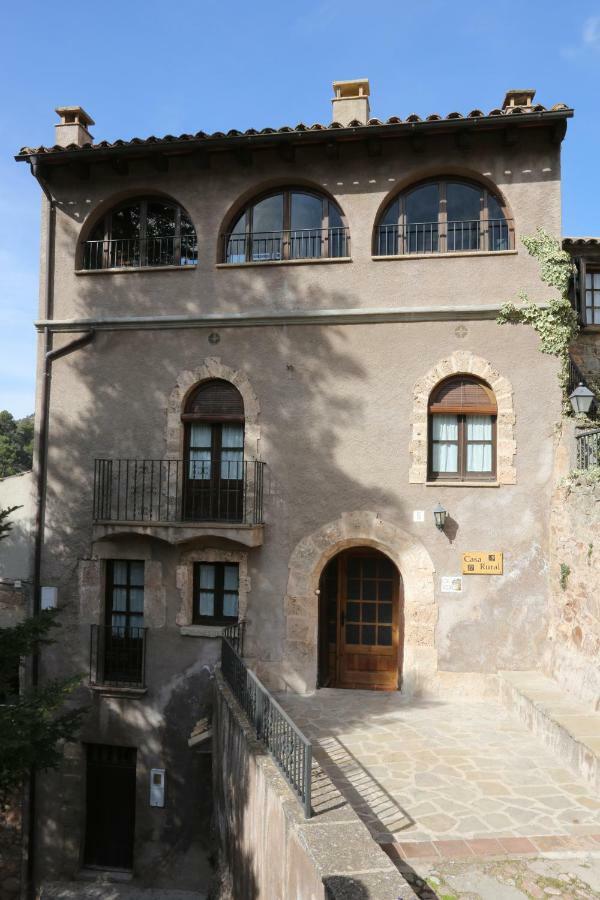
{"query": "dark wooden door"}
[(360, 622), (110, 811), (214, 472)]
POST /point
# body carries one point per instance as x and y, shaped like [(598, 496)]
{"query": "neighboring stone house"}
[(272, 355)]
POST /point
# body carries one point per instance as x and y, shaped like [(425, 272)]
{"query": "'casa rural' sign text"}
[(479, 563)]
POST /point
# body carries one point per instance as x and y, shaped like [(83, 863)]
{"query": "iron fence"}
[(123, 253), (235, 635), (290, 749), (172, 490), (299, 243), (118, 655), (447, 237), (588, 449)]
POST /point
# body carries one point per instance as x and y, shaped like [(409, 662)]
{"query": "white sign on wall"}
[(418, 515), (451, 584)]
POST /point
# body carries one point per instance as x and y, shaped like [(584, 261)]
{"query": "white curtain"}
[(207, 585), (200, 444), (232, 452), (445, 455), (479, 455)]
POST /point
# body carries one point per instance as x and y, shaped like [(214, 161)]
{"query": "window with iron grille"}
[(462, 430), (288, 224), (443, 216), (216, 593), (125, 593), (592, 297)]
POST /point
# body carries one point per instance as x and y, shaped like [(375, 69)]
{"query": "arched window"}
[(147, 231), (289, 224), (214, 453), (462, 430), (443, 216)]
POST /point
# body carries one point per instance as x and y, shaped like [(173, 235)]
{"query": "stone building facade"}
[(297, 325)]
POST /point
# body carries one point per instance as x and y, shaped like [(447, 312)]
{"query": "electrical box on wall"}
[(157, 787)]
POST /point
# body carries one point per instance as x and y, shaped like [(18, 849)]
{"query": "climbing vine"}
[(556, 322)]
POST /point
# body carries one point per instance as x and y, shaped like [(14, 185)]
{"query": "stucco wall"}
[(574, 632), (16, 550)]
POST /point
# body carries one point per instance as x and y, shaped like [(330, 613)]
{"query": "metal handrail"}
[(289, 747), (141, 252), (588, 449), (453, 236), (174, 490), (290, 243)]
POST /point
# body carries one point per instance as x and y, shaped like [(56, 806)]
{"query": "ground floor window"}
[(216, 592)]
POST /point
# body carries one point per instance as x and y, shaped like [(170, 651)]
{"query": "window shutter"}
[(463, 394), (215, 401)]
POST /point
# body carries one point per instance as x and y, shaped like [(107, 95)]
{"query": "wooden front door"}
[(110, 813), (360, 625)]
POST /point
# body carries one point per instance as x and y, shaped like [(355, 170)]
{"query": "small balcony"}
[(282, 246), (178, 500), (136, 253), (118, 657), (472, 236)]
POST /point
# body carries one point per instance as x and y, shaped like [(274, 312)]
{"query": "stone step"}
[(568, 727), (106, 890)]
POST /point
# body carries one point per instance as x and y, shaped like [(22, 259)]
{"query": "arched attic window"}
[(443, 216), (462, 430), (214, 480), (289, 224), (144, 232)]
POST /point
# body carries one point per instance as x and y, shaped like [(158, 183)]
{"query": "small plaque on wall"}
[(451, 584), (480, 563)]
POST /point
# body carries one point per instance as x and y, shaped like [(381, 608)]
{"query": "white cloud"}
[(589, 41)]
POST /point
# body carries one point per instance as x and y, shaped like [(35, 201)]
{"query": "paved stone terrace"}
[(455, 778)]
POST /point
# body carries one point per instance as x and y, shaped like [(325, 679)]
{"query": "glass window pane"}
[(353, 612), (136, 599), (463, 202), (231, 578), (200, 435), (384, 636), (369, 568), (385, 568), (422, 204), (369, 590), (232, 464), (136, 622), (385, 612), (125, 223), (479, 428), (207, 603), (207, 576), (352, 634), (385, 590), (230, 604), (354, 589), (335, 219), (160, 221), (445, 458), (368, 634), (369, 612), (119, 598), (306, 212), (268, 214), (495, 211), (596, 280), (119, 571), (479, 457), (200, 467), (118, 623), (232, 436), (444, 428), (392, 214), (136, 573)]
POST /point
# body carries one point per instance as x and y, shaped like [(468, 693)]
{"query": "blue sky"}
[(142, 68)]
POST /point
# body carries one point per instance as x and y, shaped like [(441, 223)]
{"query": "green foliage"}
[(5, 525), (35, 722), (589, 476), (16, 444), (565, 571), (556, 324)]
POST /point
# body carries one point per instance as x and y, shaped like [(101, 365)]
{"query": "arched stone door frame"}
[(311, 555)]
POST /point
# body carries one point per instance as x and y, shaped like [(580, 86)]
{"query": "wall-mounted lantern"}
[(581, 399), (440, 515)]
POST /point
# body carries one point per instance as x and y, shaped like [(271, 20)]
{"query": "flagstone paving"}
[(445, 773)]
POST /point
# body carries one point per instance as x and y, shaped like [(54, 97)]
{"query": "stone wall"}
[(268, 848), (574, 628)]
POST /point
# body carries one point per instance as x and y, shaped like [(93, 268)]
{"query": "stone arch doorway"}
[(361, 621)]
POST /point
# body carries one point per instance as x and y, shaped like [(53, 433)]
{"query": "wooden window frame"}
[(110, 586), (286, 193), (462, 412), (218, 618), (442, 218), (588, 268)]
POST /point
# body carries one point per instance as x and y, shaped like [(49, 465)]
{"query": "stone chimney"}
[(73, 126), (523, 97), (351, 101)]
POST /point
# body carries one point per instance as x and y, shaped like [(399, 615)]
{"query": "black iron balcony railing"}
[(588, 449), (299, 243), (173, 490), (291, 750), (449, 237), (118, 656), (125, 253)]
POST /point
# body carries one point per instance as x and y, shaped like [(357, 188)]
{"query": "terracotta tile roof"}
[(581, 242), (495, 115)]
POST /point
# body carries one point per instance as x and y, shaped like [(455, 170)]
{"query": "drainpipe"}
[(41, 469)]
